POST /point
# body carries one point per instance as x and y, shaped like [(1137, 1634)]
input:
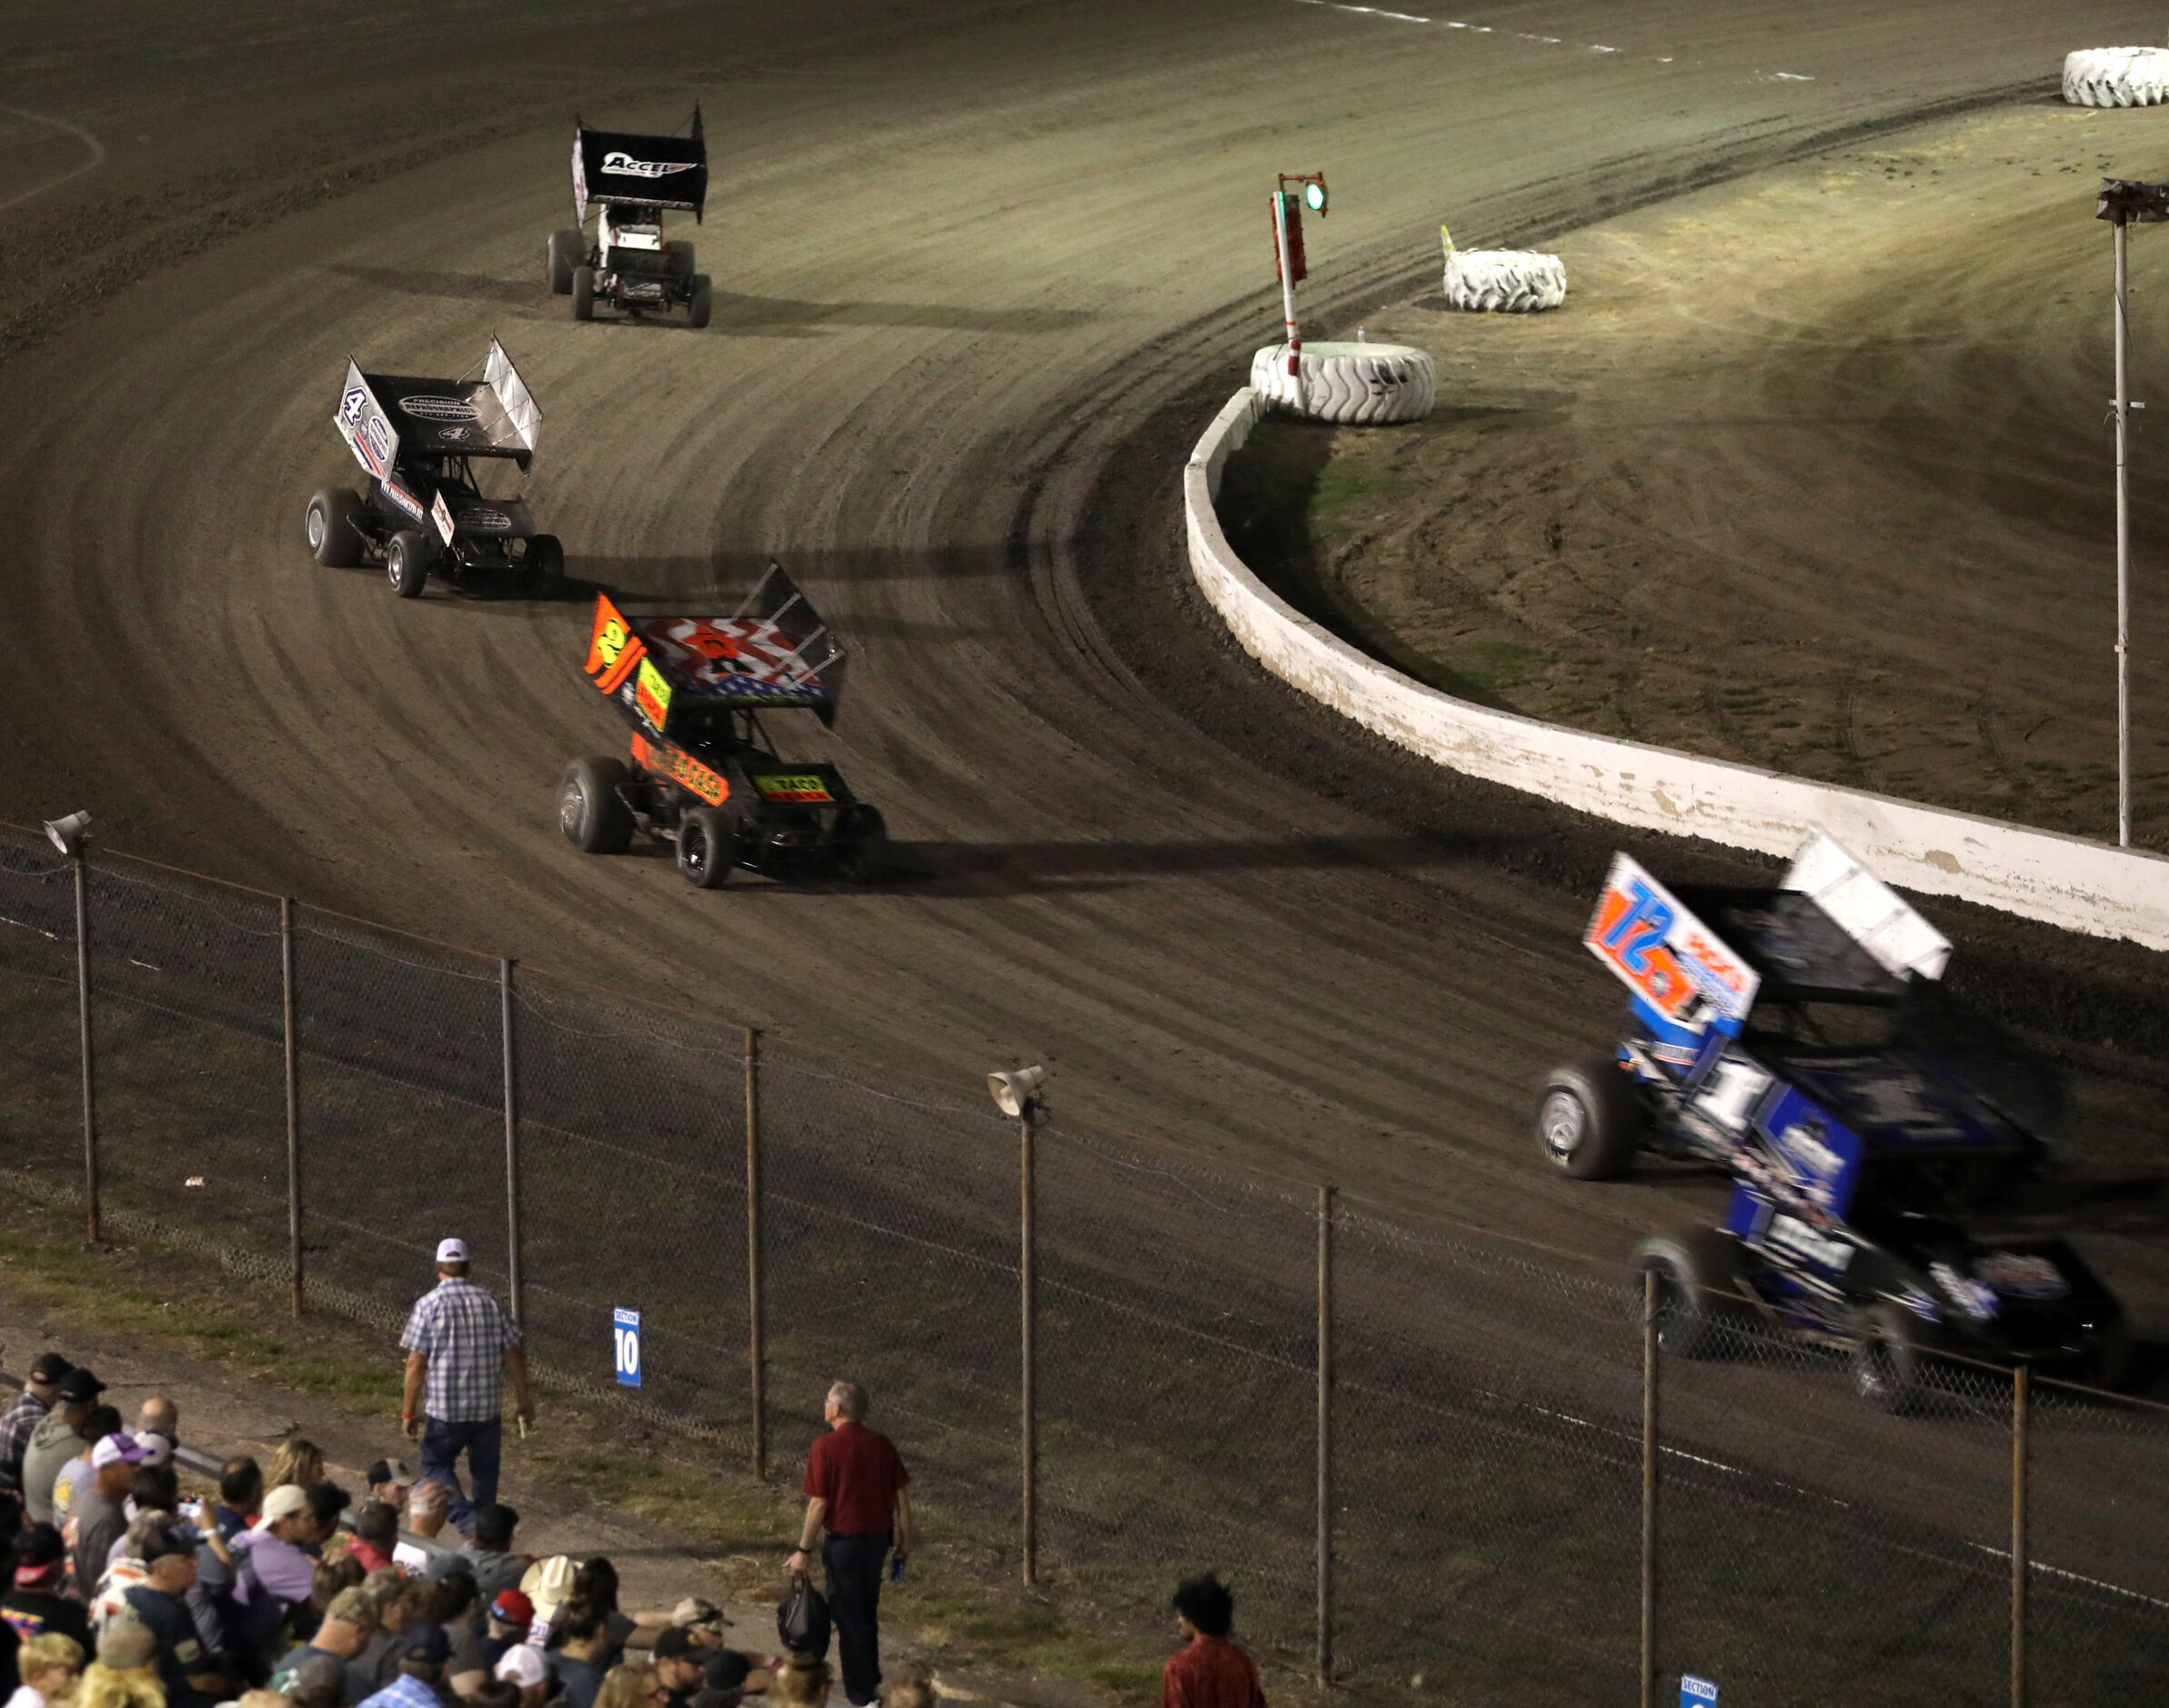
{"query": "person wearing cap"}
[(858, 1491), (273, 1574), (34, 1604), (511, 1616), (103, 1420), (100, 1517), (41, 1388), (56, 1438), (461, 1345), (188, 1672), (423, 1653), (524, 1669), (348, 1623), (678, 1663), (729, 1678), (389, 1480), (489, 1549)]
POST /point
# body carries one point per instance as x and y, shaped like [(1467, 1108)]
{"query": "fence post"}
[(293, 1049), (2022, 1406), (1028, 1275), (756, 1362), (90, 1076), (1649, 1488), (1325, 1435), (512, 1240)]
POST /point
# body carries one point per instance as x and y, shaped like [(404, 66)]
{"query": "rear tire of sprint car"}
[(1887, 1365), (542, 570), (703, 301), (591, 811), (861, 845), (407, 564), (332, 539), (679, 251), (708, 847), (1589, 1120), (1698, 1282), (565, 249), (583, 292)]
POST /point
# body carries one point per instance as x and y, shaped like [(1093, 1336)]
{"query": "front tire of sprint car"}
[(406, 563), (583, 292), (1590, 1119), (1698, 1282), (543, 568), (591, 809), (707, 846), (333, 541), (1887, 1364)]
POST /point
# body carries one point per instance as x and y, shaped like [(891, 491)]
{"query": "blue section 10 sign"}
[(1697, 1693), (624, 1330)]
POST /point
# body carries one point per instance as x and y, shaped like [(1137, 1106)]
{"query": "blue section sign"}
[(625, 1329), (1696, 1692)]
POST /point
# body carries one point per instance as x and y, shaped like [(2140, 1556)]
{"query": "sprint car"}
[(703, 774), (632, 181), (1787, 1021), (1864, 1256), (438, 500)]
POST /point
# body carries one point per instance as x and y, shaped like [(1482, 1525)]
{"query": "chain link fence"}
[(1429, 1461)]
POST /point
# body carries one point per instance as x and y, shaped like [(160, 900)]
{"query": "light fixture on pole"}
[(1017, 1095), (2121, 201), (70, 833)]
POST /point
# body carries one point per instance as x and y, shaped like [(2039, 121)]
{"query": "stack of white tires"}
[(2116, 77), (1504, 281), (1356, 385)]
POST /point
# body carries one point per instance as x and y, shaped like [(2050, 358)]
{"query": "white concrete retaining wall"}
[(2065, 880)]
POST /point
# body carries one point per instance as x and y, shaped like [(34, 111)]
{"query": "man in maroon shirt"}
[(1211, 1673), (856, 1489)]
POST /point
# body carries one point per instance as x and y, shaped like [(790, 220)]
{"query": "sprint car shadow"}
[(464, 288)]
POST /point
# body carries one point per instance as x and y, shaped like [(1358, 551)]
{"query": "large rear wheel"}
[(583, 292), (591, 811), (708, 847), (1888, 1367), (565, 252), (861, 845), (406, 563), (1590, 1119), (334, 539), (703, 301), (1698, 1289)]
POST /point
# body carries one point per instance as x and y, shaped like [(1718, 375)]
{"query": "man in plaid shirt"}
[(29, 1411), (461, 1345)]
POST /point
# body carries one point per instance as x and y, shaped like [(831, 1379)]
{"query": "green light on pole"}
[(1314, 197)]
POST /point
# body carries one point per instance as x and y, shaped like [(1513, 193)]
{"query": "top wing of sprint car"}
[(610, 165), (383, 417)]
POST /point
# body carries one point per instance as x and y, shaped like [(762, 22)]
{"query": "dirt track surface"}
[(1814, 475), (982, 275)]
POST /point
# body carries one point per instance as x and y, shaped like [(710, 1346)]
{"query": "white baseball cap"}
[(451, 1251), (524, 1667)]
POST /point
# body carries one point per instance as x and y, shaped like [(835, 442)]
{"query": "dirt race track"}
[(982, 270)]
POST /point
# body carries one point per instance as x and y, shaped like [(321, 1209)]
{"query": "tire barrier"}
[(2064, 881), (2116, 77), (1357, 385), (1504, 281)]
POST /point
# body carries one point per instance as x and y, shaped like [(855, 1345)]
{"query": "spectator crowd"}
[(277, 1586)]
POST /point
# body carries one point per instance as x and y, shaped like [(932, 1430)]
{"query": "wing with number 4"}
[(1677, 968)]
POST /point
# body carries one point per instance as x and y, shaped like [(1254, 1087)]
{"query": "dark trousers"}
[(483, 1443), (854, 1565)]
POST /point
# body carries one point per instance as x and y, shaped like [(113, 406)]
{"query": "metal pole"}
[(1325, 1435), (1028, 1307), (90, 1078), (512, 1242), (2021, 1396), (2124, 560), (1649, 1488), (756, 1362), (293, 1045)]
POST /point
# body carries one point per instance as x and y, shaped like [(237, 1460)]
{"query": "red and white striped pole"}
[(1286, 258)]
